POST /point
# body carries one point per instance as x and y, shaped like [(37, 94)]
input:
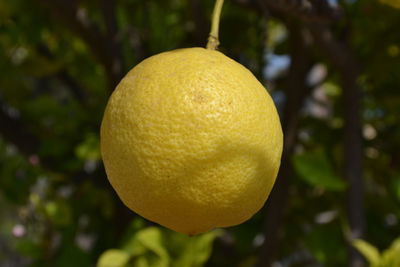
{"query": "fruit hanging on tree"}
[(191, 140)]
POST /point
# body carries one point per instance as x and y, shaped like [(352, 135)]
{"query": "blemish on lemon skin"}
[(200, 97)]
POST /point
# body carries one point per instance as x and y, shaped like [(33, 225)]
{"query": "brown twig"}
[(340, 54), (113, 40), (296, 93)]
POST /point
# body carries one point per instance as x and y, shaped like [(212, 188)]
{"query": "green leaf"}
[(39, 66), (396, 186), (113, 258), (369, 251), (151, 239), (141, 262), (28, 247), (315, 241), (59, 212), (89, 149), (198, 250), (391, 256), (315, 169), (331, 89), (72, 255), (148, 249)]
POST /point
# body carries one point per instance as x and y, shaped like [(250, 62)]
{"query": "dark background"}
[(332, 67)]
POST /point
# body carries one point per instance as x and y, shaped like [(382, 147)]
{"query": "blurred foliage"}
[(388, 258), (57, 208), (153, 246)]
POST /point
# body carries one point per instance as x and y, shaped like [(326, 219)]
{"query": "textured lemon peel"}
[(191, 140)]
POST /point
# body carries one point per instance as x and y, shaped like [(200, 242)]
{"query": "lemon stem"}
[(213, 40)]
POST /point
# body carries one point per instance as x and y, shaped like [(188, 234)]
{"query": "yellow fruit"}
[(191, 140)]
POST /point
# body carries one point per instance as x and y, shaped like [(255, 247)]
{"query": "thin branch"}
[(114, 45), (296, 94), (340, 54)]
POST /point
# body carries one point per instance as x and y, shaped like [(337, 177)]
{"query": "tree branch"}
[(296, 94), (340, 54), (113, 44)]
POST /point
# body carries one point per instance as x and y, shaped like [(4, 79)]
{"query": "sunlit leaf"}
[(369, 251), (89, 149), (151, 239), (147, 247), (391, 256), (331, 89), (113, 258), (198, 250)]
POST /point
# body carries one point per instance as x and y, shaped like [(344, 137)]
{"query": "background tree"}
[(332, 68)]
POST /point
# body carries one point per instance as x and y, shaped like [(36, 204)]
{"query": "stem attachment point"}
[(213, 40)]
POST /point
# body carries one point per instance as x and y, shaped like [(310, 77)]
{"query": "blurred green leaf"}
[(391, 256), (315, 169), (89, 149), (369, 251), (331, 89), (141, 261), (197, 250), (29, 247), (151, 238), (113, 258), (322, 240), (39, 66), (71, 255), (155, 246), (59, 212), (396, 186), (148, 246)]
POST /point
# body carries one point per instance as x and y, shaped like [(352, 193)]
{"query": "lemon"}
[(191, 140)]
